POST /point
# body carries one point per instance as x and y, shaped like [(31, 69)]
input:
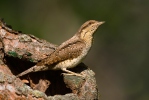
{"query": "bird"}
[(70, 53)]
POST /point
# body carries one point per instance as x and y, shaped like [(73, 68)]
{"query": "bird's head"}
[(88, 28)]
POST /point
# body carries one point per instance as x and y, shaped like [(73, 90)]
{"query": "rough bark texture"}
[(19, 52)]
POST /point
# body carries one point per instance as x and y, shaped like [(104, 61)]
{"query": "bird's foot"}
[(71, 73), (74, 74)]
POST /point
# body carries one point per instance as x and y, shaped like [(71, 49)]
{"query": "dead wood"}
[(18, 52)]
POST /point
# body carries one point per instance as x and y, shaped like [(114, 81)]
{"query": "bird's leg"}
[(70, 72)]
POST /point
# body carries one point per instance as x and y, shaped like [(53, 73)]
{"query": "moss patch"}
[(12, 53)]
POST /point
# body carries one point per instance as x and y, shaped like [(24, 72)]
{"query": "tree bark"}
[(19, 52)]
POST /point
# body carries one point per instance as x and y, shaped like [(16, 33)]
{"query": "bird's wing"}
[(66, 51)]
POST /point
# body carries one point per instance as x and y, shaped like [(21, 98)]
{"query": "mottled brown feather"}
[(64, 52)]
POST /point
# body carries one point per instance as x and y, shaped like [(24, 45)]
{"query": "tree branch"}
[(19, 52)]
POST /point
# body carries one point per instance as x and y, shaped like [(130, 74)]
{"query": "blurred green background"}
[(120, 52)]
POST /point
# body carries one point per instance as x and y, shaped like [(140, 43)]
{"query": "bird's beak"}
[(100, 23)]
